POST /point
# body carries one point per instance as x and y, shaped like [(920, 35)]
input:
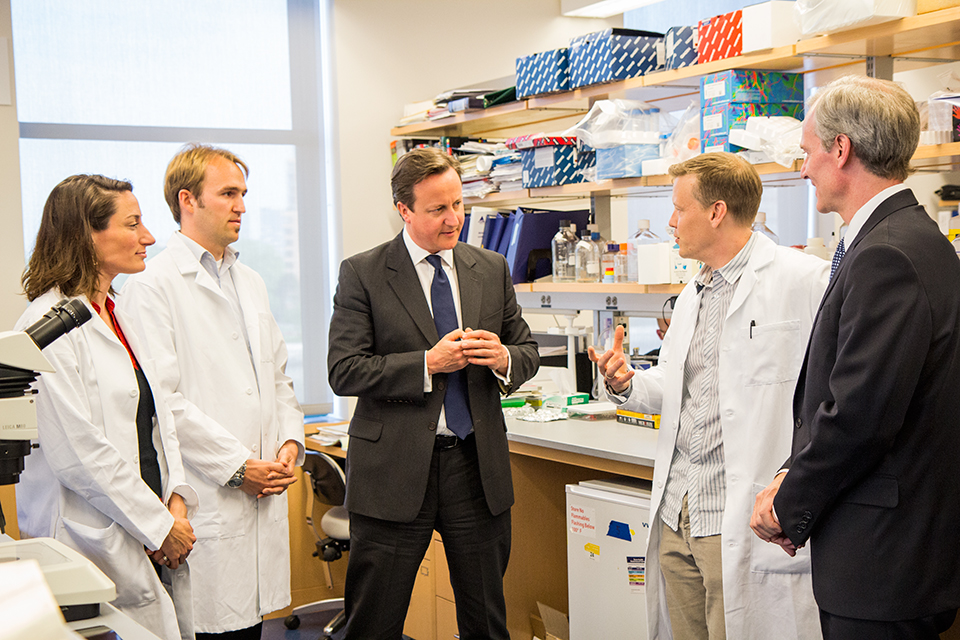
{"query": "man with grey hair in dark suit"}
[(427, 333), (871, 482)]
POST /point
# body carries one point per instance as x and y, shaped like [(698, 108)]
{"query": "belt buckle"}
[(447, 442)]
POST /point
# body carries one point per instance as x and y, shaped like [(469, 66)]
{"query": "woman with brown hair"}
[(107, 478)]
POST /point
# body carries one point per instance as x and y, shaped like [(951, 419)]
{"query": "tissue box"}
[(721, 118), (720, 37), (680, 47), (566, 400), (744, 85), (548, 161), (612, 54), (624, 161), (769, 24), (545, 72), (818, 17)]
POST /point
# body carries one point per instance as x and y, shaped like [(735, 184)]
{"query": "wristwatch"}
[(237, 479)]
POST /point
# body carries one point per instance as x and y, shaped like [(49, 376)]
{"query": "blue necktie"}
[(455, 404), (837, 257)]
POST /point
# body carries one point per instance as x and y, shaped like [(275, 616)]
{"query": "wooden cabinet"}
[(421, 623)]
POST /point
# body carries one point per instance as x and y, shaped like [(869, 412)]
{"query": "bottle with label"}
[(621, 265), (608, 262), (760, 226), (642, 236), (588, 259), (560, 246)]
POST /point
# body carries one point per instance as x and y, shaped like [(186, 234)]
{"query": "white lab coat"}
[(226, 413), (766, 593), (82, 486)]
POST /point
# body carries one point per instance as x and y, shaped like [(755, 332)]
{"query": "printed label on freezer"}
[(593, 550), (637, 572), (582, 521)]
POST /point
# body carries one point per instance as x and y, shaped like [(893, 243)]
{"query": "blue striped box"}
[(613, 54), (545, 72), (680, 47), (554, 165)]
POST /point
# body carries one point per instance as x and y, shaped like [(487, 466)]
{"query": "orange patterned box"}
[(720, 37)]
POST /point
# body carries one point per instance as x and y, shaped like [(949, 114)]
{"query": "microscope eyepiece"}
[(62, 318)]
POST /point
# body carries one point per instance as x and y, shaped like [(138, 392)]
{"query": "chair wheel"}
[(291, 622)]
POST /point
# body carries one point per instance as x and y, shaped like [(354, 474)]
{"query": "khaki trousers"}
[(694, 577)]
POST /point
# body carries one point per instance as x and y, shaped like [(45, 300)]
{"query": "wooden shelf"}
[(922, 40)]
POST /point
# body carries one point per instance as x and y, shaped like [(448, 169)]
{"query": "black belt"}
[(442, 443)]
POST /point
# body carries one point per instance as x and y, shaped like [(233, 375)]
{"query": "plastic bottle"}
[(560, 248), (815, 247), (588, 259), (642, 236), (760, 226), (621, 264), (608, 262), (956, 245)]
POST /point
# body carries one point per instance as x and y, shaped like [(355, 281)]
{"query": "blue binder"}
[(533, 229), (493, 232)]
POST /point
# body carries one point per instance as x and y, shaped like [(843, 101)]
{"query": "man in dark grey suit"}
[(427, 333), (872, 480)]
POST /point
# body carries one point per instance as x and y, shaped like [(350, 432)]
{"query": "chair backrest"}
[(327, 477)]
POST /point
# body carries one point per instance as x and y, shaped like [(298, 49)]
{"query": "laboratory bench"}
[(544, 458)]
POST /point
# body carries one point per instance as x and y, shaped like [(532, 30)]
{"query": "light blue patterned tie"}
[(456, 407), (837, 257)]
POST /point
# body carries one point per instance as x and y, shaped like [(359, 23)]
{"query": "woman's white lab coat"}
[(82, 486), (766, 593)]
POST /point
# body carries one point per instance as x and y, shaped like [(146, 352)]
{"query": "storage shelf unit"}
[(922, 40)]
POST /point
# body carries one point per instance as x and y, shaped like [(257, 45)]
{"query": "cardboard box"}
[(545, 72), (567, 400), (817, 17), (721, 118), (682, 270), (720, 37), (746, 85), (625, 161), (769, 24), (680, 47), (720, 142), (649, 420), (612, 54)]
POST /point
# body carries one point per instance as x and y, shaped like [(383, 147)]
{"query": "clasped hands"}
[(612, 365), (265, 478), (459, 348), (764, 521)]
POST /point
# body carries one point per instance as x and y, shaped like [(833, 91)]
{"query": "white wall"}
[(392, 53), (12, 303)]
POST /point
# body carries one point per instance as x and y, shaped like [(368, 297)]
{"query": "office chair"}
[(332, 538)]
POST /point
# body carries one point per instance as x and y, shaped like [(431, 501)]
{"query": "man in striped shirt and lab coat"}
[(723, 385)]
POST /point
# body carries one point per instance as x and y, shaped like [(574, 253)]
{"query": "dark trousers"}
[(927, 628), (250, 633), (385, 556)]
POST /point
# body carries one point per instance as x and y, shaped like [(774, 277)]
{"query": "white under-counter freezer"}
[(608, 522)]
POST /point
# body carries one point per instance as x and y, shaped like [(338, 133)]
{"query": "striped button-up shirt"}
[(697, 468)]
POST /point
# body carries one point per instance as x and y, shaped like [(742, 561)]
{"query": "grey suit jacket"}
[(380, 328), (873, 480)]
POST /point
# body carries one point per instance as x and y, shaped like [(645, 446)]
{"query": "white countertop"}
[(607, 439)]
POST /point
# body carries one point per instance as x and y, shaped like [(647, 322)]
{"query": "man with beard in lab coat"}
[(206, 323), (723, 385)]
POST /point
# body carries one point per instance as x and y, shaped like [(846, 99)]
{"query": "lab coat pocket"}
[(767, 557), (118, 554), (773, 353)]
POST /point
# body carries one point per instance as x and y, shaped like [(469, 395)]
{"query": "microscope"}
[(76, 583)]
